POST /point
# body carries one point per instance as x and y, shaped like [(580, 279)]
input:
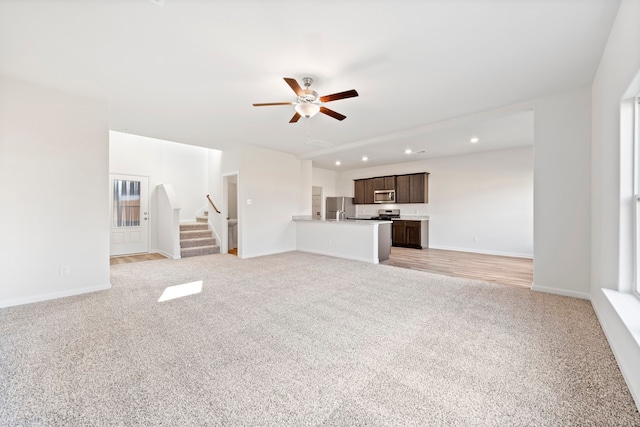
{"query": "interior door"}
[(129, 214)]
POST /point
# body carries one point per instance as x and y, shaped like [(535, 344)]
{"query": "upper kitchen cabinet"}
[(368, 191), (412, 188), (378, 183), (384, 183), (389, 183), (359, 191), (403, 194)]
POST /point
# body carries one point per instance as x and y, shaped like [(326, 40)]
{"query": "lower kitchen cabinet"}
[(411, 233)]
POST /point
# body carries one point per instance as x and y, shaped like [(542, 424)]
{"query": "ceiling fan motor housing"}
[(309, 96)]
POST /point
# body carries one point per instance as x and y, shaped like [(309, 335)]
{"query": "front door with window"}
[(129, 214)]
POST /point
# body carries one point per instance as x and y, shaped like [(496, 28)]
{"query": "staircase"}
[(196, 238)]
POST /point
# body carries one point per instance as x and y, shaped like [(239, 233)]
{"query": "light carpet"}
[(306, 340)]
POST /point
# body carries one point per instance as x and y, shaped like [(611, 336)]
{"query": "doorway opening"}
[(230, 240), (316, 202)]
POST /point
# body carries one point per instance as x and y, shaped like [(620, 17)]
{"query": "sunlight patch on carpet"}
[(179, 291)]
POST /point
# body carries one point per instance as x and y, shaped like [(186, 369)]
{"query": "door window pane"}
[(126, 203)]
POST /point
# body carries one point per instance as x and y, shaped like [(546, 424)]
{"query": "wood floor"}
[(489, 268), (125, 259)]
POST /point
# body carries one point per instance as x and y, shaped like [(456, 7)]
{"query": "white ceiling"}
[(430, 74)]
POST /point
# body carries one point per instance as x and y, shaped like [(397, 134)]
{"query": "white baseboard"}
[(246, 255), (563, 292), (482, 251), (163, 253), (331, 254), (53, 295)]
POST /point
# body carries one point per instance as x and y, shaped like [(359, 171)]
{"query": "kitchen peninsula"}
[(361, 240)]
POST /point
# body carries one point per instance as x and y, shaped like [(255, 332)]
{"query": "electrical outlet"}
[(64, 270)]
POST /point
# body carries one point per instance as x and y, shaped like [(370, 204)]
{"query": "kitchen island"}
[(361, 240)]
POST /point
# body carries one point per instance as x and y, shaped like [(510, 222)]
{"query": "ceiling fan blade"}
[(341, 95), (271, 103), (294, 85), (332, 113), (295, 118)]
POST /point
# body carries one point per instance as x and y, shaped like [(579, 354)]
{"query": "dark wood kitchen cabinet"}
[(412, 188), (378, 183), (402, 189), (389, 183), (397, 235), (412, 230), (368, 191), (410, 233), (363, 191), (359, 191)]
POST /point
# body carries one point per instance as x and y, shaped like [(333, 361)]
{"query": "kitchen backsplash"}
[(405, 209)]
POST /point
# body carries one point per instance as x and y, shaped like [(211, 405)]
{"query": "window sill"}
[(627, 306)]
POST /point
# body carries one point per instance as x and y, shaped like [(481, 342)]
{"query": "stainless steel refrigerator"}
[(340, 205)]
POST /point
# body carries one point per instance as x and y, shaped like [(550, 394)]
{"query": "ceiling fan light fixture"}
[(307, 109)]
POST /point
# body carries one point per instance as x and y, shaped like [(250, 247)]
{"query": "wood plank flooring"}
[(489, 268), (125, 259)]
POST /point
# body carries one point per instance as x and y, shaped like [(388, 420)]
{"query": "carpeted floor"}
[(306, 340)]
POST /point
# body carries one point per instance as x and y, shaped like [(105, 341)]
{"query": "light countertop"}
[(414, 217), (309, 218)]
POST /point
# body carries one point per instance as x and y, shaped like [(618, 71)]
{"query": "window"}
[(126, 203), (636, 190)]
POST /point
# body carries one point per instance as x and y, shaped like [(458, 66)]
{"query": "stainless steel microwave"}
[(384, 196)]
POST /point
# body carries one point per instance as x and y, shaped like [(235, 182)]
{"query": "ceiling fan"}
[(309, 103)]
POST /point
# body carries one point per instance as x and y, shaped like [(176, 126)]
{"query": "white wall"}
[(215, 191), (269, 194), (562, 200), (486, 195), (617, 79), (53, 193), (184, 167), (306, 187), (327, 180)]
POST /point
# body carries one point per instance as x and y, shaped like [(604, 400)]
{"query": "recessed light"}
[(365, 158), (407, 151), (474, 140), (338, 163)]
